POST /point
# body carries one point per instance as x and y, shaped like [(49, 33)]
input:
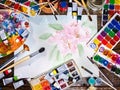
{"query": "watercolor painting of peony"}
[(63, 40)]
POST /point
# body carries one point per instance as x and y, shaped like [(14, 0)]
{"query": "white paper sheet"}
[(42, 62)]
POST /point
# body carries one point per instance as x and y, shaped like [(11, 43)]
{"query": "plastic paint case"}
[(108, 59), (109, 35), (58, 78), (28, 8), (109, 9)]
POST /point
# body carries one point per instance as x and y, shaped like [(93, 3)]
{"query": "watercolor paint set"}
[(108, 59), (14, 31), (109, 35), (58, 78), (110, 7), (27, 7)]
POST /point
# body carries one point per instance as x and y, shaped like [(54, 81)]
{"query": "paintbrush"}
[(90, 18), (99, 70), (25, 48), (90, 72), (52, 11), (24, 59), (85, 7)]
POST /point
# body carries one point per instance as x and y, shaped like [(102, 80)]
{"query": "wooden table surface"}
[(111, 76)]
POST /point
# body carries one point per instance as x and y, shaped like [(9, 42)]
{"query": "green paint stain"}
[(56, 26), (117, 71), (0, 39), (52, 51), (32, 4), (80, 49), (107, 30), (3, 1), (97, 58), (112, 34), (45, 36), (112, 1), (68, 56), (105, 6), (58, 55)]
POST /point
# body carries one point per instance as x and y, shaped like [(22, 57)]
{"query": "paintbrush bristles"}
[(24, 59)]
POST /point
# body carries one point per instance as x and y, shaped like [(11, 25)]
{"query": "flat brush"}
[(24, 59)]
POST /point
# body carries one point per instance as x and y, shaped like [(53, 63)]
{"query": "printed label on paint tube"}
[(1, 75), (69, 11), (74, 8), (18, 84), (80, 9), (7, 81)]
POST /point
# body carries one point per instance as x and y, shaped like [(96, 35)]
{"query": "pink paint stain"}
[(68, 38)]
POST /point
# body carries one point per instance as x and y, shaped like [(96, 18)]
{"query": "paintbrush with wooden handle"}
[(24, 59)]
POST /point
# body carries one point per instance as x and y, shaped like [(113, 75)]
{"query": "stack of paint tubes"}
[(14, 80), (74, 10)]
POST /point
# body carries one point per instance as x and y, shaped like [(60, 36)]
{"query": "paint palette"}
[(14, 29), (57, 79), (109, 35), (108, 59), (109, 9), (27, 7)]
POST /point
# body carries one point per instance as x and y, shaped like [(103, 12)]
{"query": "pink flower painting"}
[(68, 38)]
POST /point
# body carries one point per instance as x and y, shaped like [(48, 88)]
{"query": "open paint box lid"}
[(14, 29)]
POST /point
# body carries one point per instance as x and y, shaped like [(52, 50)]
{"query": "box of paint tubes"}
[(59, 78)]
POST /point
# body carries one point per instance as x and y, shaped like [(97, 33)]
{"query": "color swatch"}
[(27, 7), (108, 59), (13, 32), (57, 79), (109, 35), (109, 9)]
